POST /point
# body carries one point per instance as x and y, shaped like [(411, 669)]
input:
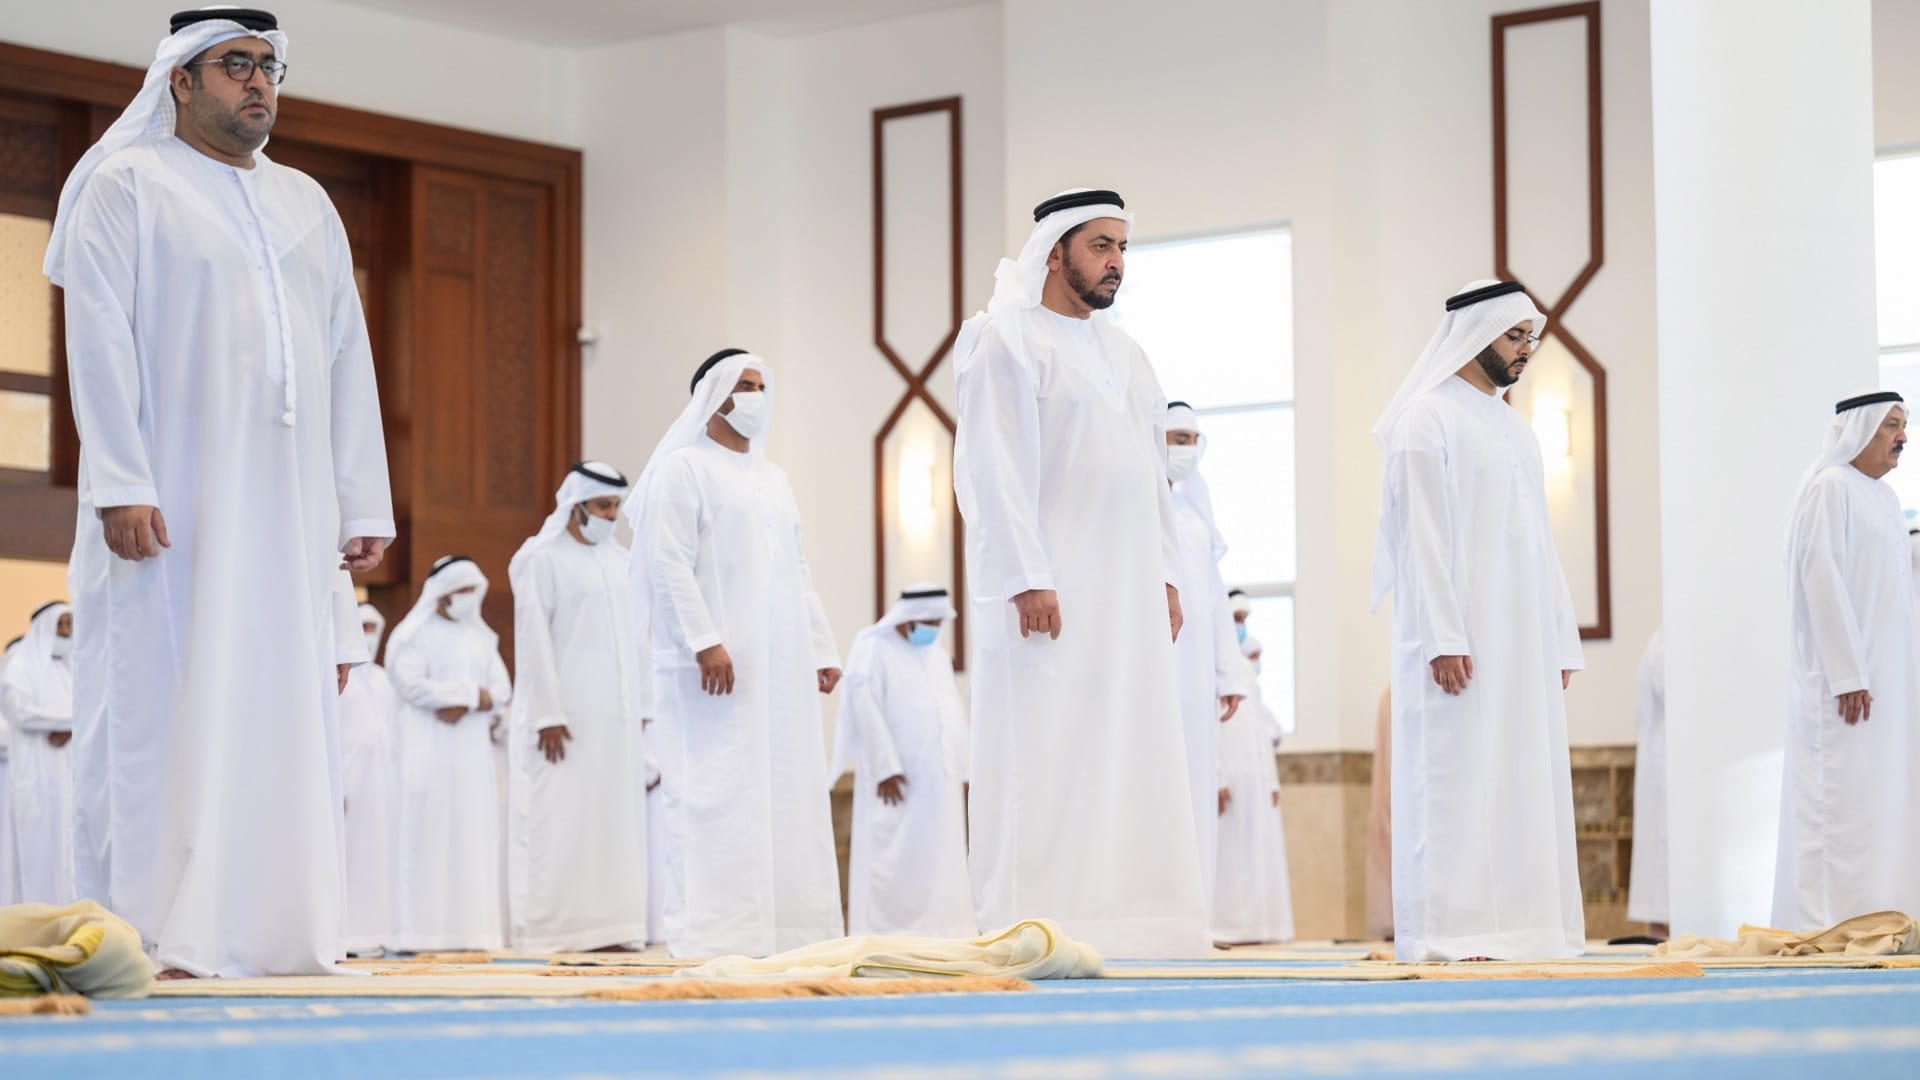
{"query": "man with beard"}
[(1072, 548), (231, 462), (1485, 642)]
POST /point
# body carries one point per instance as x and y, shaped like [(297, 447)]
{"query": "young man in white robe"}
[(445, 665), (9, 887), (1072, 553), (741, 646), (369, 784), (37, 696), (1647, 877), (1253, 898), (231, 459), (1848, 800), (1214, 677), (1485, 643), (903, 731), (576, 834)]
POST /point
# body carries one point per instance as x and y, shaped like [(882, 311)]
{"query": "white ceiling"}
[(600, 22)]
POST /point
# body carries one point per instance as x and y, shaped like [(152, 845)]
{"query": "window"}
[(1896, 247), (1215, 316), (26, 347)]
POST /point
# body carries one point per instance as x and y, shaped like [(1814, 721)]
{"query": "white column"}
[(1763, 210)]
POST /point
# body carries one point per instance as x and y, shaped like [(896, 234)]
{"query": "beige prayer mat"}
[(1883, 933)]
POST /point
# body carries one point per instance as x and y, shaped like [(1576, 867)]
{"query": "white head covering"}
[(1855, 423), (1017, 283), (711, 388), (450, 574), (1194, 490), (1468, 327), (585, 480), (922, 601), (149, 115), (32, 672), (1241, 605), (371, 614)]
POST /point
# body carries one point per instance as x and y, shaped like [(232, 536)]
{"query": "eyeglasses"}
[(240, 68), (1515, 337)]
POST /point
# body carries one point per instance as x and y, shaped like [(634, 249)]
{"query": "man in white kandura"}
[(370, 791), (1485, 643), (1252, 898), (740, 647), (903, 731), (9, 871), (36, 694), (445, 664), (576, 805), (1647, 896), (1852, 783), (231, 459), (1060, 467), (1214, 677)]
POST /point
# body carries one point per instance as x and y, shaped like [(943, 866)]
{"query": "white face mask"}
[(1180, 462), (463, 605), (373, 643), (749, 416), (62, 648), (596, 530)]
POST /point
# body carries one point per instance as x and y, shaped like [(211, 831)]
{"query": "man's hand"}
[(1173, 611), (58, 739), (363, 553), (486, 700), (893, 790), (451, 714), (1231, 704), (340, 673), (134, 532), (1276, 798), (829, 678), (1452, 672), (1225, 798), (716, 670), (1856, 706), (1566, 678), (553, 743), (1039, 612)]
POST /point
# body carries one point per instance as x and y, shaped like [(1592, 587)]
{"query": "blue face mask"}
[(924, 635), (1240, 631)]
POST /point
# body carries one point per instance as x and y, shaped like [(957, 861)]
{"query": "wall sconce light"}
[(1553, 430), (914, 490)]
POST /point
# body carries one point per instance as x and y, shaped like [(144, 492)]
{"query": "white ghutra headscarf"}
[(1856, 420), (922, 601), (449, 575)]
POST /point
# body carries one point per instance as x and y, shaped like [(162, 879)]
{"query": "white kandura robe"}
[(656, 854), (9, 890), (1483, 835), (1849, 794), (370, 788), (1081, 809), (907, 870), (1210, 666), (209, 830), (576, 854), (749, 832), (40, 782), (1647, 879), (449, 835), (1253, 898)]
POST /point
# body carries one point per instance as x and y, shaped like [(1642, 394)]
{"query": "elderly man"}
[(1072, 557), (576, 814), (740, 646), (1485, 642), (1849, 797), (903, 731), (231, 459), (36, 694), (1214, 677)]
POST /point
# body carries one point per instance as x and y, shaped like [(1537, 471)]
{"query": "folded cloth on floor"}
[(79, 949), (1030, 949), (1883, 933)]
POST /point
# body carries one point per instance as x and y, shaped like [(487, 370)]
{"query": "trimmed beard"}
[(1089, 293), (1496, 369)]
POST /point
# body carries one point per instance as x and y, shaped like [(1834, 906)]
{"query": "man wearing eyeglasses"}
[(231, 462), (1485, 642)]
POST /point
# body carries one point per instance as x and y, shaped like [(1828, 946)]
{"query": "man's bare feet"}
[(1476, 960), (614, 948), (175, 973)]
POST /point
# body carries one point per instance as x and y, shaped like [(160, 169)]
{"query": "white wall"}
[(347, 55)]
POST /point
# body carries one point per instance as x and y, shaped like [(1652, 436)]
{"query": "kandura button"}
[(286, 418)]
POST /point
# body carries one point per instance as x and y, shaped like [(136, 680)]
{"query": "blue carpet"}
[(1856, 1024)]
